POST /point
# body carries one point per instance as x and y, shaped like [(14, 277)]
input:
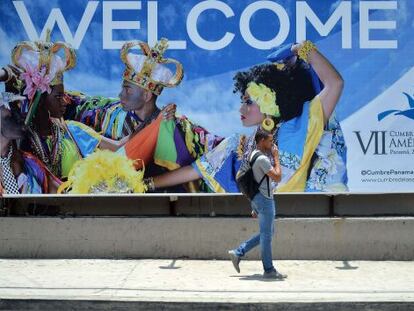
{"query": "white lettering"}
[(342, 12), (109, 25), (192, 25), (153, 29), (245, 24), (56, 17), (366, 25)]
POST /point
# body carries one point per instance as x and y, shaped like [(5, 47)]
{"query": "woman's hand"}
[(168, 112)]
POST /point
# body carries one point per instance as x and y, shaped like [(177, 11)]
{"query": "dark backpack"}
[(245, 178)]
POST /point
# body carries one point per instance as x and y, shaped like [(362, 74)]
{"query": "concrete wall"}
[(389, 238), (287, 205)]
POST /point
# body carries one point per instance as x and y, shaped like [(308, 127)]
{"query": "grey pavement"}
[(205, 281)]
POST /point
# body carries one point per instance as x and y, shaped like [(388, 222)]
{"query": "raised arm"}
[(331, 79)]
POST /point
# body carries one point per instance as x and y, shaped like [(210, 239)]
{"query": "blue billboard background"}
[(206, 92), (375, 74)]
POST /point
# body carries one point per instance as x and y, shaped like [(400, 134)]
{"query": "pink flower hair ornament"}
[(35, 80)]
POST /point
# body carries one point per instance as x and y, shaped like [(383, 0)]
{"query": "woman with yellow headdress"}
[(287, 99)]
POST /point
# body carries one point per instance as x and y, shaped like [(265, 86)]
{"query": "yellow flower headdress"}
[(147, 70), (264, 97)]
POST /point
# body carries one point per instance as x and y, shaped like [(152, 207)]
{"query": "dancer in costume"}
[(273, 97), (143, 80), (179, 143), (58, 144), (178, 140), (20, 172)]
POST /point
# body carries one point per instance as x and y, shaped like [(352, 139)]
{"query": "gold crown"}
[(46, 50), (153, 57)]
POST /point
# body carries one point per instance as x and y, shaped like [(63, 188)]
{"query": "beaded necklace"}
[(51, 158)]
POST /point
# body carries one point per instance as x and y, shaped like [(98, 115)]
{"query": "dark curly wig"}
[(293, 87)]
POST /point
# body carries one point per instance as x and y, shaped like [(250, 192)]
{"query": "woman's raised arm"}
[(330, 77)]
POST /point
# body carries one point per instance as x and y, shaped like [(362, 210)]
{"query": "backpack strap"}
[(258, 154), (268, 183)]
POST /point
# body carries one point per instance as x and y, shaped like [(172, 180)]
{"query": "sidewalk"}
[(189, 281)]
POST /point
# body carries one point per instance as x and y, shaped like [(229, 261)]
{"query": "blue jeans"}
[(265, 209)]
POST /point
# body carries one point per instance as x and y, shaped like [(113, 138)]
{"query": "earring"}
[(268, 124)]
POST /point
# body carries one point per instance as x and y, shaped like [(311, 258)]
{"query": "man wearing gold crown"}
[(160, 140), (169, 143), (59, 144), (144, 78)]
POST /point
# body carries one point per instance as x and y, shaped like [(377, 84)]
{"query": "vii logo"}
[(409, 113), (378, 139)]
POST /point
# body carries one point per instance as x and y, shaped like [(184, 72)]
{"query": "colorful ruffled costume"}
[(179, 142), (75, 142), (328, 172), (170, 144), (42, 68), (160, 145), (105, 115), (299, 140), (312, 158), (33, 179)]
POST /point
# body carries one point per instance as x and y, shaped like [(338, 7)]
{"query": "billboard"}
[(103, 140)]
